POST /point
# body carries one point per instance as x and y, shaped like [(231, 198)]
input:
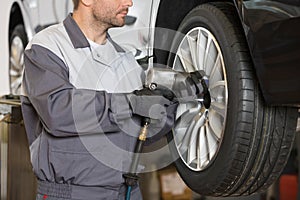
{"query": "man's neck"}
[(92, 30)]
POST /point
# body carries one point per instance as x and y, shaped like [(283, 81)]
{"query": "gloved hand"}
[(151, 103)]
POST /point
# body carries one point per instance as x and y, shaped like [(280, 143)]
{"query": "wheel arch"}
[(18, 15), (169, 17)]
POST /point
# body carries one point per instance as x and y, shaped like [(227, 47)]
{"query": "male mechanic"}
[(80, 112)]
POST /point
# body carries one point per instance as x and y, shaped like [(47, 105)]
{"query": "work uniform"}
[(79, 125)]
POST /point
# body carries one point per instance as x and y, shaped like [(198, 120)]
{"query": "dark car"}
[(249, 53)]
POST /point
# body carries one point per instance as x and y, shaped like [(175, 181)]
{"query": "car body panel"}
[(273, 32)]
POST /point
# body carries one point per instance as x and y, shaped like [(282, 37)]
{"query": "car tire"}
[(245, 143), (17, 43)]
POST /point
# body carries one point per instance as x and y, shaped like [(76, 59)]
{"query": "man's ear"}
[(87, 3)]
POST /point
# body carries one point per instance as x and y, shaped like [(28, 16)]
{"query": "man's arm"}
[(63, 109)]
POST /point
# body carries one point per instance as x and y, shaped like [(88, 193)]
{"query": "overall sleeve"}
[(62, 109)]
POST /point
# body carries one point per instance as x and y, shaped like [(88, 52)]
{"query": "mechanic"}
[(80, 111)]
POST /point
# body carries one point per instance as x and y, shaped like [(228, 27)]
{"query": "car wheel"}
[(17, 42), (235, 144)]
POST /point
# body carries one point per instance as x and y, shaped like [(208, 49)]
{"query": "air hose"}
[(131, 178)]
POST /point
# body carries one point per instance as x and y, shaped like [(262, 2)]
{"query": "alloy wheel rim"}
[(199, 130), (16, 64)]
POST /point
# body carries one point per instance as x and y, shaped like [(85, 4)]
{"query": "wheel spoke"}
[(183, 122), (180, 133), (183, 145), (192, 153), (218, 90), (178, 65), (215, 122), (185, 56), (219, 108), (217, 84), (206, 55), (201, 149), (202, 41), (186, 108), (216, 72), (183, 60), (193, 49), (211, 57), (212, 141)]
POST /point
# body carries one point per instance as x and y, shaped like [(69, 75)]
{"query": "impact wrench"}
[(131, 178)]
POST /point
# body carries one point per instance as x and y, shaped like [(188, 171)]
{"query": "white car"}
[(236, 141), (20, 21)]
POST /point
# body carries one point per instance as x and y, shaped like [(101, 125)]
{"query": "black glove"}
[(161, 91), (151, 103)]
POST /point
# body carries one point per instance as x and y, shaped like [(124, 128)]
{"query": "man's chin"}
[(121, 23), (117, 25)]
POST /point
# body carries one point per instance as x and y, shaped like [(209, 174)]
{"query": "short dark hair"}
[(75, 2)]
